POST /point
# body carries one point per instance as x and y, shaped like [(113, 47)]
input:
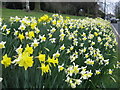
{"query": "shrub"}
[(56, 52)]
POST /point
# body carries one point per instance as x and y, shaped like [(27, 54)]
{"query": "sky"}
[(113, 0), (111, 5)]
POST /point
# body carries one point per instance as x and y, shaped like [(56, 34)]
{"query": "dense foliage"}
[(56, 52)]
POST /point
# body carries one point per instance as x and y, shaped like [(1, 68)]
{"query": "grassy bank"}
[(6, 13)]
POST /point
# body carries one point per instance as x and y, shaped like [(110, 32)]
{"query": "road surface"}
[(117, 27)]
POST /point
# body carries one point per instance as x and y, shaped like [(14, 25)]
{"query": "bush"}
[(53, 52)]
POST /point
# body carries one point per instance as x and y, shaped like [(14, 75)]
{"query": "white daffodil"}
[(62, 47), (2, 44), (19, 49), (110, 71), (43, 38), (97, 72), (22, 27), (1, 79), (56, 55), (35, 43), (4, 27), (52, 40)]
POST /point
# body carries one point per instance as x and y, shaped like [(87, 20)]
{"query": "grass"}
[(6, 13)]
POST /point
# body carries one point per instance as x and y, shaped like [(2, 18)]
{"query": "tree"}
[(117, 9), (27, 6), (37, 6)]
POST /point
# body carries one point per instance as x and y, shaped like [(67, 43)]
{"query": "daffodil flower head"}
[(28, 49), (21, 36), (42, 57), (60, 67), (62, 47), (19, 50), (35, 43), (45, 68), (56, 55), (26, 60), (52, 60), (22, 27), (6, 60), (2, 44)]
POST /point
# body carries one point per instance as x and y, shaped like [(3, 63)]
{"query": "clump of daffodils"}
[(79, 48)]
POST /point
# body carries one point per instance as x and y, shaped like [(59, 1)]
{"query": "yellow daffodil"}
[(31, 34), (25, 60), (6, 60), (42, 57), (21, 36), (33, 25), (28, 49), (45, 68), (52, 60)]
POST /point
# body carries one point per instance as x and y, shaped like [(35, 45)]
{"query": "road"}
[(117, 27)]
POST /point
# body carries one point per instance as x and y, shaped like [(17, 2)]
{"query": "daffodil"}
[(1, 79), (97, 72), (78, 81), (45, 68), (43, 38), (2, 44), (60, 68), (8, 31), (21, 36), (56, 55), (22, 27), (89, 62), (110, 71), (95, 33), (52, 60), (62, 47), (4, 27), (6, 60), (54, 22), (37, 30), (53, 40), (99, 39), (52, 30), (73, 85), (71, 48), (33, 25), (42, 57), (35, 43), (19, 50), (25, 61), (31, 34), (28, 49)]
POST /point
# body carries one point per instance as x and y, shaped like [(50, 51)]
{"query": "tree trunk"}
[(27, 6), (37, 6)]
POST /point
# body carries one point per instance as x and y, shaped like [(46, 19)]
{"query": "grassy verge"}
[(6, 13)]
